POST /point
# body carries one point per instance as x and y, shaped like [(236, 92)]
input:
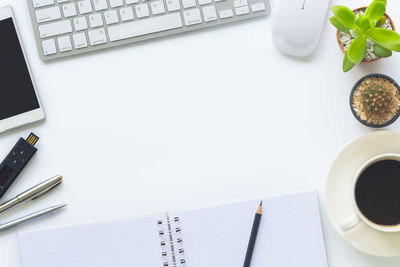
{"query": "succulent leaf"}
[(385, 38), (335, 22), (345, 16), (362, 22), (375, 10), (381, 51), (381, 21), (347, 64), (356, 51), (383, 1)]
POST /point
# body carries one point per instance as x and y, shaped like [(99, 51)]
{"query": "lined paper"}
[(123, 243), (290, 233)]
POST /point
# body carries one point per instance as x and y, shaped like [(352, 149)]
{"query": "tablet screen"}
[(17, 94)]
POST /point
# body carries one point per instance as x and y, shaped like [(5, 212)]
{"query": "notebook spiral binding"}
[(171, 242)]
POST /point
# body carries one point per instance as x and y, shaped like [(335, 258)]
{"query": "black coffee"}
[(378, 192)]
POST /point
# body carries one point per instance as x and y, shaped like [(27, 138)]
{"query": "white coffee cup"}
[(356, 217)]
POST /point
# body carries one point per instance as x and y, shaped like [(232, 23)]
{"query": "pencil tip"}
[(259, 210)]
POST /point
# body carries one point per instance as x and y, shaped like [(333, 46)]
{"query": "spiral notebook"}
[(216, 236)]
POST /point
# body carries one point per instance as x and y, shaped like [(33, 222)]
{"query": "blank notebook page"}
[(290, 233), (127, 242)]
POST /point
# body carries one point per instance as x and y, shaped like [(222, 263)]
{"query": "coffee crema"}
[(377, 192)]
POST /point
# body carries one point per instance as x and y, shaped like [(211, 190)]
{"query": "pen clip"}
[(45, 191)]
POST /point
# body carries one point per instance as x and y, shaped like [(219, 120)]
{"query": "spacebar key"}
[(145, 26)]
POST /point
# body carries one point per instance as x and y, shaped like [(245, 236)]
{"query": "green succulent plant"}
[(376, 100), (362, 27)]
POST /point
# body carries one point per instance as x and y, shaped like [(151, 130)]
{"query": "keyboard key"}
[(80, 40), (173, 5), (85, 7), (111, 17), (48, 14), (239, 3), (80, 23), (69, 10), (40, 3), (64, 43), (142, 10), (209, 13), (95, 20), (100, 5), (116, 3), (145, 26), (130, 2), (242, 10), (192, 17), (97, 37), (204, 2), (157, 7), (216, 1), (126, 13), (49, 47), (188, 3), (258, 7), (55, 28), (227, 13)]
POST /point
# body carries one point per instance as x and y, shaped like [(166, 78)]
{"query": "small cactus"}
[(377, 100)]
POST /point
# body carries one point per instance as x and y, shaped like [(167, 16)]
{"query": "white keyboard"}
[(69, 27)]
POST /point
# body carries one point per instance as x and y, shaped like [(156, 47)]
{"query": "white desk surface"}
[(208, 116)]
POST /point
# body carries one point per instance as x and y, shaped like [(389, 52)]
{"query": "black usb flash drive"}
[(16, 160)]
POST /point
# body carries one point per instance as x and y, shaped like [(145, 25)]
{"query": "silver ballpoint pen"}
[(30, 217), (32, 193)]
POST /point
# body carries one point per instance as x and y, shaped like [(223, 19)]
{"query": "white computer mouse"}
[(298, 25)]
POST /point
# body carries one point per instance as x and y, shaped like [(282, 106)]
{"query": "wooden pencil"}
[(253, 236)]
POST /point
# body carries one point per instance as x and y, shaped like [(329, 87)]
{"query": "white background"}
[(208, 116)]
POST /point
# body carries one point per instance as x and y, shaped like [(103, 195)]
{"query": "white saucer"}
[(339, 193)]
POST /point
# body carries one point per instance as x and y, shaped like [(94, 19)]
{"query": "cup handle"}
[(350, 222)]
